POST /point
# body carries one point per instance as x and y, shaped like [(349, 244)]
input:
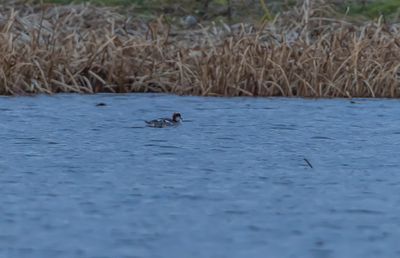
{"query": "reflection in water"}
[(80, 180)]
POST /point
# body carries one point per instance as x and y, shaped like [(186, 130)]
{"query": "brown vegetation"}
[(87, 49)]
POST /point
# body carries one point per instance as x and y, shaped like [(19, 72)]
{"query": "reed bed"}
[(87, 49)]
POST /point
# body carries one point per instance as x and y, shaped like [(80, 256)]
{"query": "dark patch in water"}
[(225, 138), (321, 138), (363, 211), (166, 153), (161, 146)]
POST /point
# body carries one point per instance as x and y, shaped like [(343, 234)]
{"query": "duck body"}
[(165, 122)]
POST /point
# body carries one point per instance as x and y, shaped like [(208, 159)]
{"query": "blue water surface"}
[(77, 180)]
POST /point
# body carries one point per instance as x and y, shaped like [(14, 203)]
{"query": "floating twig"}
[(308, 163)]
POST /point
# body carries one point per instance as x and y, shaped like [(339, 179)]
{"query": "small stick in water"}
[(308, 163)]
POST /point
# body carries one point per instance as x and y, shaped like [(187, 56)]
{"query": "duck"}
[(165, 122)]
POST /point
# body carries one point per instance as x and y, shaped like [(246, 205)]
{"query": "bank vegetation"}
[(307, 51)]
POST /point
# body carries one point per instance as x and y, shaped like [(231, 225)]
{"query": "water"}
[(78, 180)]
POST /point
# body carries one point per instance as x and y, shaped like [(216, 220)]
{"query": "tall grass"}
[(86, 49)]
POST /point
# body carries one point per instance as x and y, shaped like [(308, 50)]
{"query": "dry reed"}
[(86, 49)]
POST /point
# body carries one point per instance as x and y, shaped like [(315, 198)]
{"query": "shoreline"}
[(161, 94)]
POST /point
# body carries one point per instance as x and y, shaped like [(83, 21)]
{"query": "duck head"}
[(176, 117)]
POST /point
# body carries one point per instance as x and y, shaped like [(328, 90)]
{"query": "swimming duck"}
[(165, 122)]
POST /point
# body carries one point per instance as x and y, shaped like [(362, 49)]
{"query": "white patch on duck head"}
[(176, 117)]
